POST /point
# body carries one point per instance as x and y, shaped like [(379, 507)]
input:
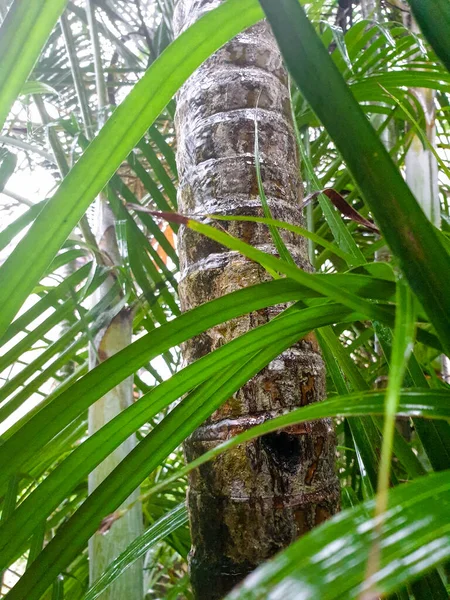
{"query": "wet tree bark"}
[(255, 500)]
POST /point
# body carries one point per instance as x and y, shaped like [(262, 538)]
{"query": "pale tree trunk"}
[(420, 162), (112, 539), (107, 544), (422, 176), (371, 9), (255, 500), (421, 166)]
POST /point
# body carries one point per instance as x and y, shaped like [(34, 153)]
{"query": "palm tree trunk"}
[(421, 166), (370, 9), (422, 176), (420, 163), (105, 545), (258, 498)]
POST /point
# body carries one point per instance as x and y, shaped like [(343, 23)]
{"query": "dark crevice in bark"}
[(284, 449)]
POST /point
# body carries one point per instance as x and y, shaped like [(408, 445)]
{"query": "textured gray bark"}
[(250, 503)]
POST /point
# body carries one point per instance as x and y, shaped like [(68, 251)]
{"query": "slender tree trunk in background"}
[(422, 170), (422, 176), (420, 163), (106, 546), (258, 498), (371, 9), (421, 166)]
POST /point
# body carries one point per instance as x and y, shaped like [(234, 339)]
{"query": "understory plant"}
[(90, 307)]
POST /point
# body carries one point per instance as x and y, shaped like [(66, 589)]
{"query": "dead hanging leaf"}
[(108, 522), (343, 207), (171, 217)]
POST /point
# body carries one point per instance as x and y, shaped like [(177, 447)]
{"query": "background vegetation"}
[(370, 97)]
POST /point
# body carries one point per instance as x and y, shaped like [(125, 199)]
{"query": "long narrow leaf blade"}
[(433, 17), (22, 36)]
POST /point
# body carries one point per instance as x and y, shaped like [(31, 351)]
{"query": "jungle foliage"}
[(382, 317)]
